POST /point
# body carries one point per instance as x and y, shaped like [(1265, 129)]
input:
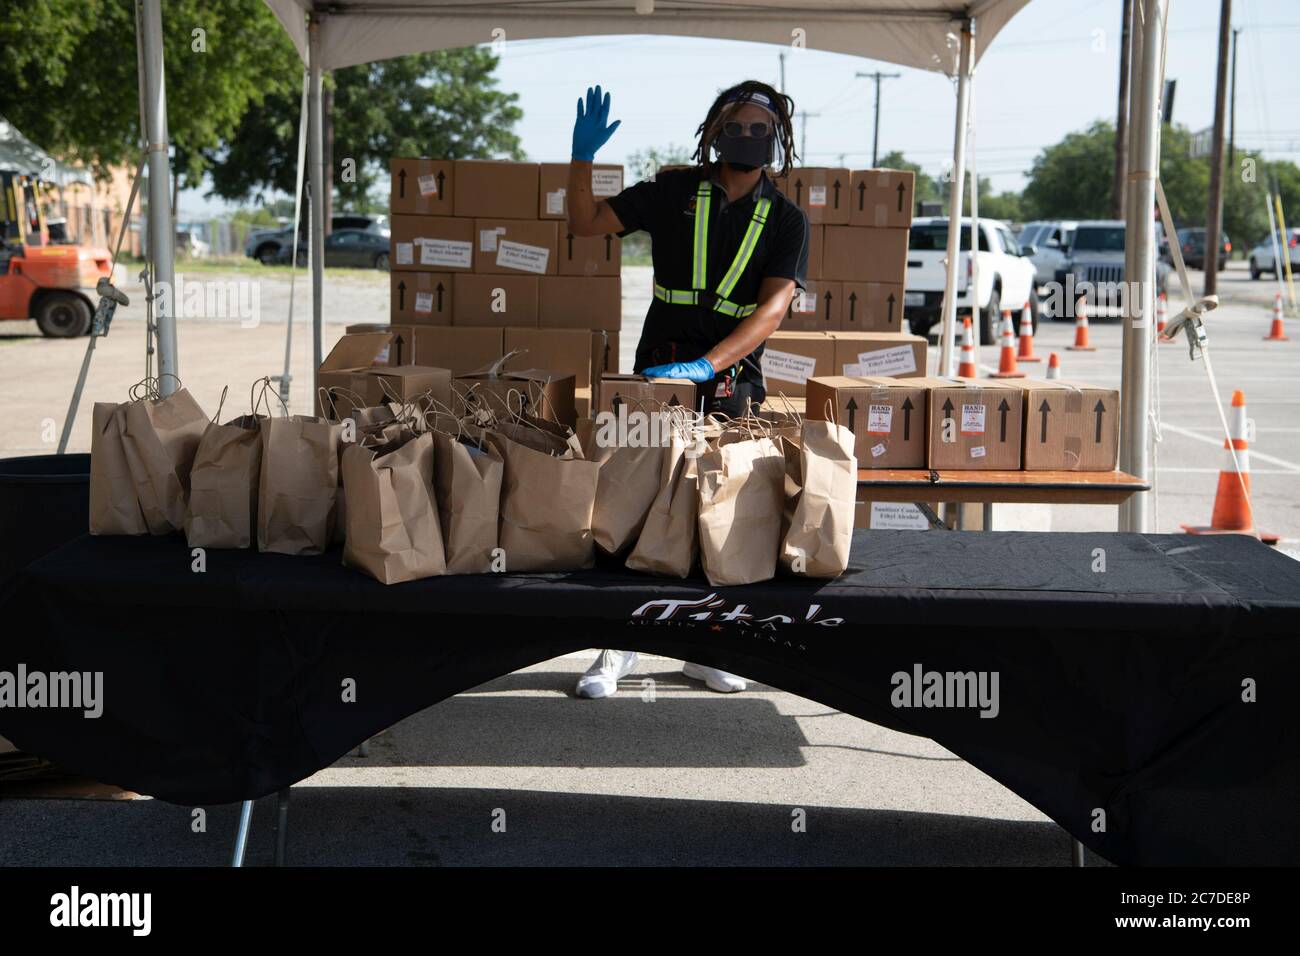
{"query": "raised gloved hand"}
[(700, 370), (589, 130)]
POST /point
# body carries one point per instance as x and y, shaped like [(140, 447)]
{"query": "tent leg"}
[(282, 827), (1139, 254), (1076, 853), (162, 231), (948, 329), (316, 162), (241, 834)]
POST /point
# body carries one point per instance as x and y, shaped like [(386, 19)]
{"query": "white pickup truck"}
[(1006, 276)]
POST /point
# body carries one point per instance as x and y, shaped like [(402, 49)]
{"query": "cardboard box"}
[(974, 425), (615, 389), (495, 189), (886, 415), (582, 352), (816, 240), (889, 515), (582, 402), (589, 255), (553, 187), (493, 300), (817, 309), (432, 244), (421, 297), (791, 358), (871, 307), (821, 192), (406, 382), (782, 410), (895, 354), (462, 350), (401, 350), (881, 197), (865, 254), (347, 366), (514, 247), (543, 393), (421, 187), (1070, 427), (579, 302)]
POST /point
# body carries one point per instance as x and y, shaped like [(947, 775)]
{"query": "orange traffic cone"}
[(968, 367), (1027, 336), (1053, 366), (1162, 313), (1081, 329), (1232, 514), (1007, 363), (1277, 333)]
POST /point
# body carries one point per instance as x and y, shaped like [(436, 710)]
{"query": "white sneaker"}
[(602, 677), (720, 681)]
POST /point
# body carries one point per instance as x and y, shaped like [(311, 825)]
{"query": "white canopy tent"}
[(947, 36)]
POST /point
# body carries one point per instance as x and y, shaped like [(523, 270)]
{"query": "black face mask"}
[(744, 152)]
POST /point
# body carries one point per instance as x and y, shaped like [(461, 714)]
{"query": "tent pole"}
[(162, 232), (315, 147), (947, 358), (1139, 255)]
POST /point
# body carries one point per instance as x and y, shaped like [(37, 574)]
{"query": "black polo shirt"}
[(665, 208)]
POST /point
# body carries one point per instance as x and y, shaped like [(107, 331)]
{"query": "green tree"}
[(1072, 179), (443, 104), (927, 189), (70, 81), (644, 163)]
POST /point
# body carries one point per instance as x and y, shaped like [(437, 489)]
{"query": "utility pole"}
[(1119, 189), (875, 139), (781, 57), (1232, 107), (803, 132), (1214, 209)]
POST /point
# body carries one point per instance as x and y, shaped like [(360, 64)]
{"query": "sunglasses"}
[(757, 130)]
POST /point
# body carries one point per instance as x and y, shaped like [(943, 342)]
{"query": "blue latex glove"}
[(700, 370), (589, 130)]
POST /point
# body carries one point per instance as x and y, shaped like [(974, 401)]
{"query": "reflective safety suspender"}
[(699, 265)]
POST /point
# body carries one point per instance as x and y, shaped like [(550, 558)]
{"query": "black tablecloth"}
[(1151, 708)]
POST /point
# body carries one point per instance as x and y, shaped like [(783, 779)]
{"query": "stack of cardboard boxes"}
[(482, 265), (857, 264)]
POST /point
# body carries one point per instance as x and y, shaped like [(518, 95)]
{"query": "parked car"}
[(1045, 242), (1005, 275), (270, 245), (1261, 257), (1094, 269), (357, 248), (1192, 241)]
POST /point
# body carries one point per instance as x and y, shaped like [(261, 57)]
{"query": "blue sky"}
[(1039, 80)]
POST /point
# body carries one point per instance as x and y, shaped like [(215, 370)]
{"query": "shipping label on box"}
[(420, 187), (886, 416), (491, 300), (421, 297), (1070, 427), (523, 257), (606, 181), (974, 426), (890, 516), (795, 358), (896, 354), (822, 193), (881, 197), (510, 246), (816, 308), (553, 186), (432, 244)]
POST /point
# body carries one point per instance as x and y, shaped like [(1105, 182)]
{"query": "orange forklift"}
[(51, 283)]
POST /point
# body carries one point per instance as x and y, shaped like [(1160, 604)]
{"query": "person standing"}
[(729, 252)]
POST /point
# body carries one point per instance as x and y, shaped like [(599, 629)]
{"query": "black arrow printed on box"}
[(851, 407), (837, 194), (1042, 433), (439, 296), (889, 317), (609, 247), (569, 237), (401, 294), (827, 299), (1100, 409), (798, 191), (441, 177), (853, 305), (901, 190), (907, 418), (1003, 408), (398, 342), (862, 192), (401, 184)]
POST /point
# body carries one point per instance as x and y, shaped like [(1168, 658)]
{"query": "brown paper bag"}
[(393, 532), (630, 473), (741, 497), (668, 542), (298, 490), (114, 505), (224, 485), (467, 484), (546, 505), (160, 439), (821, 529)]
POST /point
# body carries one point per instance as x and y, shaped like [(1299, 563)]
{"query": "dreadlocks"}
[(722, 110)]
